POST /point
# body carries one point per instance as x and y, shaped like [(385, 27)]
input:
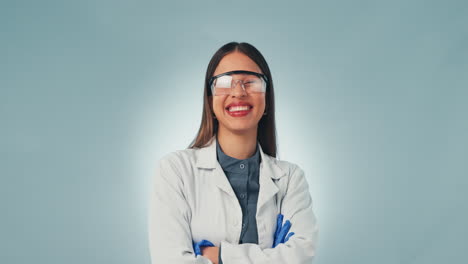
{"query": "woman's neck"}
[(239, 146)]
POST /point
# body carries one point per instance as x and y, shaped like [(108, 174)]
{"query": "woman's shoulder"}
[(178, 157), (176, 166), (287, 166)]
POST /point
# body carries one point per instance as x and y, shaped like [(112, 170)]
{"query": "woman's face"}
[(219, 103)]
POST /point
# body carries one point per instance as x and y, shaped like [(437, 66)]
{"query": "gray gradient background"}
[(371, 101)]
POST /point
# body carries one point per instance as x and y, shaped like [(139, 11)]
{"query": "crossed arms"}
[(170, 238)]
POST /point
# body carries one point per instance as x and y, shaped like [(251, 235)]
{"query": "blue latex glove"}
[(281, 233), (203, 243)]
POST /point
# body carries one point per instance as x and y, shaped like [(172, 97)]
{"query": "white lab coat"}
[(191, 200)]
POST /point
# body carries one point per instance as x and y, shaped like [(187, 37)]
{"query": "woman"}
[(223, 199)]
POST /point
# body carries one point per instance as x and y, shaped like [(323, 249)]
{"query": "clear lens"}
[(251, 83)]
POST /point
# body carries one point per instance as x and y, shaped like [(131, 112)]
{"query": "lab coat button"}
[(242, 166)]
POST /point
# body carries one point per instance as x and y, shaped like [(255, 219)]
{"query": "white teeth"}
[(239, 108)]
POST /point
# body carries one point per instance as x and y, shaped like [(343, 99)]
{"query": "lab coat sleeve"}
[(300, 248), (170, 238)]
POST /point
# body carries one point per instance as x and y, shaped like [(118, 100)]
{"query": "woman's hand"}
[(281, 233), (211, 253)]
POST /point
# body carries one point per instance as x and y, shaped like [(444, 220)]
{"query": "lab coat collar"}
[(268, 171), (206, 158)]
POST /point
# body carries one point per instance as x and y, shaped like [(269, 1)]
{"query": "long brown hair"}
[(266, 133)]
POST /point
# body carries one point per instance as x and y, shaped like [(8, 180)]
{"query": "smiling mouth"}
[(239, 111), (239, 108)]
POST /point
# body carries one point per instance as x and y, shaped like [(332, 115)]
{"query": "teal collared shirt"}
[(243, 175)]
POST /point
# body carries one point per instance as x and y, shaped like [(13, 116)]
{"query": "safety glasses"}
[(251, 82)]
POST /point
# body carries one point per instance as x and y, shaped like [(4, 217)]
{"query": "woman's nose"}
[(238, 90)]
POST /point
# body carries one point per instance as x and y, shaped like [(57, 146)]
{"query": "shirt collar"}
[(206, 158), (232, 164)]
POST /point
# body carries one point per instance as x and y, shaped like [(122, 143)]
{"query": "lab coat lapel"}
[(269, 171), (207, 159)]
